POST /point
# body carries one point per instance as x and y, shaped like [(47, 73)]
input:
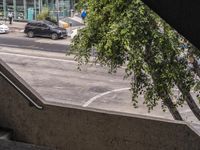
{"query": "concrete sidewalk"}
[(19, 26), (77, 19), (16, 26)]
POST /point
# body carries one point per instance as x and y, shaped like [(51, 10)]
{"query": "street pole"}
[(39, 5), (4, 9), (57, 8), (15, 9), (25, 9), (35, 9)]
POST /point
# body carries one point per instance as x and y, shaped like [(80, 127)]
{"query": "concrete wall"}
[(67, 128)]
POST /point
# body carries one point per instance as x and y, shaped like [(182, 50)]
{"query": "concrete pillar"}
[(39, 5), (46, 3), (52, 4), (4, 9), (63, 8), (35, 9), (25, 9), (15, 9), (57, 11), (71, 4)]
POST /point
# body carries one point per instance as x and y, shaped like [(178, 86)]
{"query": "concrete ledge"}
[(15, 78), (11, 145)]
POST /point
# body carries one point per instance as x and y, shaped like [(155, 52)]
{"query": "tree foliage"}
[(80, 4), (45, 15), (127, 33)]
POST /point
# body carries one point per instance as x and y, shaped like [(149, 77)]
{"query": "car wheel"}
[(30, 34), (54, 36)]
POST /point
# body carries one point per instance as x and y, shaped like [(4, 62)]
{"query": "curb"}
[(16, 30)]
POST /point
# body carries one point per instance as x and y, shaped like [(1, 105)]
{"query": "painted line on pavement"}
[(102, 94), (17, 46), (38, 57), (47, 58)]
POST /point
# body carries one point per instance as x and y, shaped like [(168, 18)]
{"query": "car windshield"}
[(50, 24)]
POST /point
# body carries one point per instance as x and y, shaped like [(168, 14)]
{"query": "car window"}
[(44, 25), (50, 24), (32, 24), (28, 24), (53, 26), (38, 24)]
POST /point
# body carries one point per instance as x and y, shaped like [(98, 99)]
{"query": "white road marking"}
[(61, 42), (102, 94), (46, 58), (38, 57), (9, 45), (17, 46)]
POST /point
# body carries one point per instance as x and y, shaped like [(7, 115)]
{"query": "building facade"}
[(28, 9)]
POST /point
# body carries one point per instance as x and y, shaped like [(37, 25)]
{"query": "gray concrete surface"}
[(12, 145), (15, 26)]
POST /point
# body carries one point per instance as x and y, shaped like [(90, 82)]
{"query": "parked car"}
[(44, 29), (3, 28)]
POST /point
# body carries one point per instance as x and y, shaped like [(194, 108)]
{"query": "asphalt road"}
[(20, 40)]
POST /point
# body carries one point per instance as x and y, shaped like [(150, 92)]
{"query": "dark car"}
[(44, 29)]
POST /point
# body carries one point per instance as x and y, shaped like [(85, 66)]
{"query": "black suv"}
[(44, 29)]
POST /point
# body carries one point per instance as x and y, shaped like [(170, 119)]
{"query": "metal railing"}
[(21, 92)]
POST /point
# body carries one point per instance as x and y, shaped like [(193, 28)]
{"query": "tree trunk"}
[(168, 102), (190, 101), (196, 67), (172, 108), (164, 95)]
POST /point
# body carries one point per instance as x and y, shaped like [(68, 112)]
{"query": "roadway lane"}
[(19, 40)]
